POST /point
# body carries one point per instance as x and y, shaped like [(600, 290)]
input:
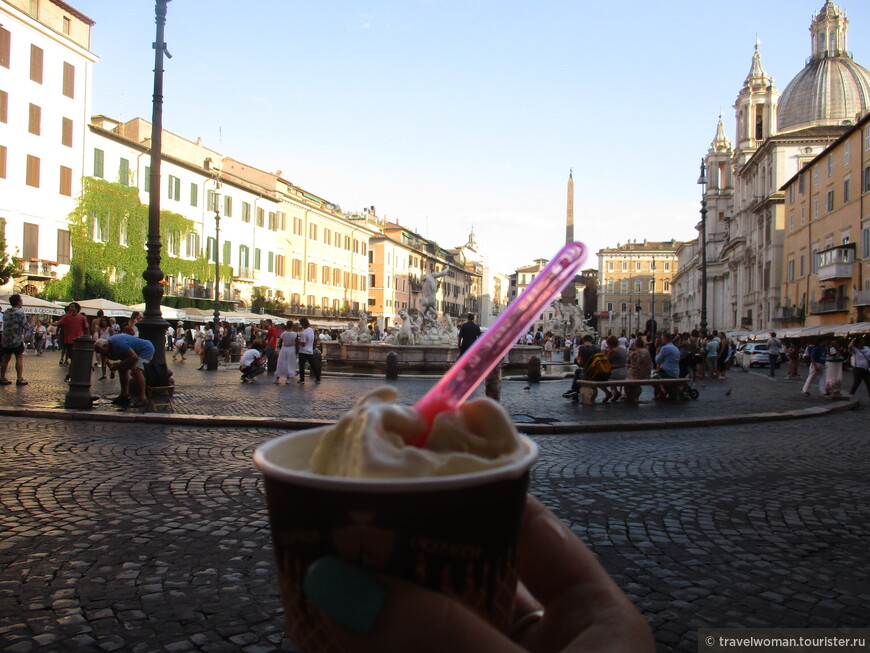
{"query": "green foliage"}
[(111, 266), (10, 266), (259, 300)]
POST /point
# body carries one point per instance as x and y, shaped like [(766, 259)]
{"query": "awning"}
[(109, 308), (34, 306)]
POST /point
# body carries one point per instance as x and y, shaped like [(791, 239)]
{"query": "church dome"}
[(831, 88), (827, 91)]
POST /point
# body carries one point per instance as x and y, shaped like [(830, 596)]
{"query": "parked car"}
[(757, 352)]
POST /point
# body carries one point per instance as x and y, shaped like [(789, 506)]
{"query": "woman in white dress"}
[(286, 367)]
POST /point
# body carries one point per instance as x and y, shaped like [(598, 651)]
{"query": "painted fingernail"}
[(347, 594)]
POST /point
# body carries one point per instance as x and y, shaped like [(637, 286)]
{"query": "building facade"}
[(45, 102), (827, 236), (634, 289), (776, 135)]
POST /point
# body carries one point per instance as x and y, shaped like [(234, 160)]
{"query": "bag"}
[(597, 367)]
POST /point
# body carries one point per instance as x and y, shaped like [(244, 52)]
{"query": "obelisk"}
[(569, 294)]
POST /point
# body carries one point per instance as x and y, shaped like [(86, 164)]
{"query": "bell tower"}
[(755, 109)]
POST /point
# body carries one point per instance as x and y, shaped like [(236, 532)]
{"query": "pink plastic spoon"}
[(488, 350)]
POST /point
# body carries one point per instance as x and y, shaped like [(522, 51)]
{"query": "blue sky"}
[(448, 114)]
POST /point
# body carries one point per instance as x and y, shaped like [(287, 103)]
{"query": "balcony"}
[(789, 313), (833, 305), (36, 268), (862, 298), (836, 262), (245, 274)]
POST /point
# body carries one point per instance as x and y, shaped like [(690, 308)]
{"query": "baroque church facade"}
[(777, 133)]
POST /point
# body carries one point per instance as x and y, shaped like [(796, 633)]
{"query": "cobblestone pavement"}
[(219, 393), (142, 537)]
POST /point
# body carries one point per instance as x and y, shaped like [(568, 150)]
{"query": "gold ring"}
[(525, 621)]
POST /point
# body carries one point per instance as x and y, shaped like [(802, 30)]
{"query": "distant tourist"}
[(468, 333)]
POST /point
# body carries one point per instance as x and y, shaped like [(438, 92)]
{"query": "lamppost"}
[(217, 255), (653, 325), (702, 180), (153, 326)]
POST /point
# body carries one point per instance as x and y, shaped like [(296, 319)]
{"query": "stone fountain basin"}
[(411, 357)]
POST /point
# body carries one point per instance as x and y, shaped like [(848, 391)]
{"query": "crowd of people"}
[(700, 355)]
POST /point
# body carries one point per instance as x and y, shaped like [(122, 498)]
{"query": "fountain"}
[(422, 341)]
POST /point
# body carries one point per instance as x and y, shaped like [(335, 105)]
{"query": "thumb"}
[(368, 612)]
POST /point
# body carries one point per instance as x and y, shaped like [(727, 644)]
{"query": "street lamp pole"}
[(217, 257), (702, 180), (653, 324), (153, 326)]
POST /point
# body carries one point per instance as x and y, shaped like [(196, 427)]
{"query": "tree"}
[(10, 266)]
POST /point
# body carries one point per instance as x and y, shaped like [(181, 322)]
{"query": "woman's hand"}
[(565, 602)]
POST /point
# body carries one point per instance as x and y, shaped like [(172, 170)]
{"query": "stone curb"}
[(556, 428)]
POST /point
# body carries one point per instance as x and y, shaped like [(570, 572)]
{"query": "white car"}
[(757, 353)]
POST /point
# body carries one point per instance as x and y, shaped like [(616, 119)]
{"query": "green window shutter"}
[(147, 179), (228, 250), (257, 258), (194, 194), (98, 163), (271, 267), (124, 172)]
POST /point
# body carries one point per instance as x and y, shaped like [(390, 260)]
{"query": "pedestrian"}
[(104, 331), (253, 362), (711, 349), (180, 342), (207, 343), (14, 326), (128, 355), (73, 324), (668, 361), (774, 349), (793, 355), (592, 365), (39, 336), (306, 351), (818, 357), (860, 365), (468, 333), (618, 357), (639, 364), (286, 367), (130, 328)]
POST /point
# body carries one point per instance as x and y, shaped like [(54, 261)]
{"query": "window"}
[(801, 184), (846, 153), (260, 217), (5, 42), (273, 221), (36, 57), (296, 269), (325, 275), (337, 240), (312, 231), (279, 265), (866, 129), (173, 188), (270, 266), (791, 221), (609, 306), (865, 242), (803, 215), (847, 190), (814, 259), (228, 207), (99, 228), (4, 106), (865, 177), (31, 241), (194, 194), (347, 243), (228, 252), (327, 236), (637, 285), (282, 221), (637, 266), (373, 281), (336, 277), (2, 162), (98, 163), (815, 209), (122, 232), (831, 164), (791, 194), (625, 266), (69, 80), (829, 201), (147, 179), (192, 248), (816, 176), (244, 256), (666, 286), (34, 121), (66, 132), (67, 24), (66, 181), (211, 201), (312, 272), (212, 250), (63, 246), (803, 264), (173, 245), (355, 246), (32, 178), (124, 172), (297, 226)]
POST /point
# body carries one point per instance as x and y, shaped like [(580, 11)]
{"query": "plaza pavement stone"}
[(538, 407), (138, 537)]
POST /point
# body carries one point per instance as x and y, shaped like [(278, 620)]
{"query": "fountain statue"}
[(357, 333)]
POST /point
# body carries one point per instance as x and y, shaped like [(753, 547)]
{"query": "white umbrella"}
[(34, 306), (168, 312), (109, 308)]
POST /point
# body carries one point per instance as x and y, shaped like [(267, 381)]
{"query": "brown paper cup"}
[(453, 534)]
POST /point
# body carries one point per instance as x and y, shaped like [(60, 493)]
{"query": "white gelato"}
[(376, 440)]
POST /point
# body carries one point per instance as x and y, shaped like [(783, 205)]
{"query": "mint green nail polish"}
[(347, 594)]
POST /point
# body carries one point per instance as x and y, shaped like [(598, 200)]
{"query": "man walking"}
[(468, 333), (306, 351), (14, 325), (774, 349), (818, 358)]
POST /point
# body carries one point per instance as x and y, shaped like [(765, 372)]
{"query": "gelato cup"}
[(455, 533)]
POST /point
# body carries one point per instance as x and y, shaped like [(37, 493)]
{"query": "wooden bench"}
[(632, 387)]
